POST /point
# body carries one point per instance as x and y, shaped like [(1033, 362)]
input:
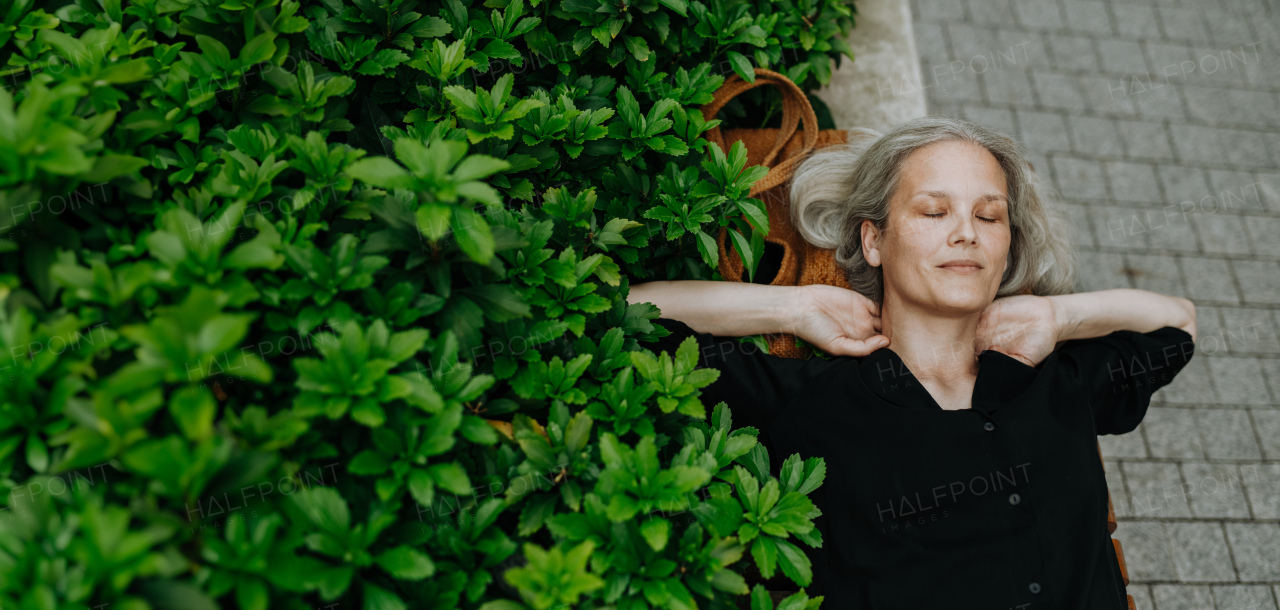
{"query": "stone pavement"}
[(1159, 124)]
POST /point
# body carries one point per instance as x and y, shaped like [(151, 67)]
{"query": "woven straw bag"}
[(781, 150)]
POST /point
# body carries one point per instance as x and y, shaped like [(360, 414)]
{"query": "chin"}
[(963, 303)]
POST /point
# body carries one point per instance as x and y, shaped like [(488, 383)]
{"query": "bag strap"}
[(795, 110)]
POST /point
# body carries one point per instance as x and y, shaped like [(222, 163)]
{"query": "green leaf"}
[(261, 48), (656, 531), (193, 407), (380, 172), (742, 66), (473, 235), (215, 51), (368, 462), (405, 563)]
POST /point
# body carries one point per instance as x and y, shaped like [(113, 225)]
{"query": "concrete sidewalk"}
[(1159, 124)]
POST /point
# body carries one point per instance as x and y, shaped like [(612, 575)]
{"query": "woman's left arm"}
[(1094, 314)]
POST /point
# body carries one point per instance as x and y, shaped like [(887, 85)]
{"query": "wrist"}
[(1065, 322), (796, 304)]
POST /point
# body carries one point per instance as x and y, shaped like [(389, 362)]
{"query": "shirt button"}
[(1014, 499), (988, 426), (1035, 587)]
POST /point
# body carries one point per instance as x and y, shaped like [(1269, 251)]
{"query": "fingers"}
[(853, 347)]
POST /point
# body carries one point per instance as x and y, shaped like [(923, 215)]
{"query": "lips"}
[(962, 266)]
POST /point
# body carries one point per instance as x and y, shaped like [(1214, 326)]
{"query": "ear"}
[(871, 243)]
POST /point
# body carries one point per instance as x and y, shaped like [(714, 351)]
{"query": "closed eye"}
[(944, 214)]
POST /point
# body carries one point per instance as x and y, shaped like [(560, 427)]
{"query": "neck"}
[(933, 346)]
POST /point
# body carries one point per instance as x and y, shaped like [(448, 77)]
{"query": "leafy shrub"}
[(323, 304)]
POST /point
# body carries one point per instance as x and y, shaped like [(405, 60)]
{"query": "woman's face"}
[(946, 242)]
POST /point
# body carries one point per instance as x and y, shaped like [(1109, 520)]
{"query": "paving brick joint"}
[(1158, 123)]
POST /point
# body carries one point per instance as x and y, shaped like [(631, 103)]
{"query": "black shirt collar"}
[(1000, 379)]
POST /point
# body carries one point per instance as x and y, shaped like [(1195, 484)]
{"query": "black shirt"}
[(996, 507)]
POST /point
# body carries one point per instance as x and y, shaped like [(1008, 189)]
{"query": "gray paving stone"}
[(1182, 24), (1007, 86), (1122, 96), (1156, 490), (1039, 14), (1236, 191), (1171, 433), (1262, 484), (1243, 597), (1136, 21), (1133, 182), (1226, 29), (940, 10), (1085, 16), (1207, 103), (1271, 370), (1117, 446), (1058, 91), (1141, 596), (1267, 423), (1125, 228), (1258, 280), (1215, 491), (931, 45), (1264, 232), (1182, 597), (1102, 271), (1222, 233), (1191, 386), (1147, 554), (1081, 232), (1123, 57), (993, 118), (1211, 337), (1208, 279), (1227, 434), (1072, 52), (1250, 330), (1165, 60), (1043, 131), (1217, 65), (1078, 178), (1164, 102), (1116, 487), (1268, 187), (1156, 272), (1197, 143), (1200, 552), (991, 12), (1144, 139), (1239, 380), (1245, 148), (1253, 546), (1095, 136), (1256, 108)]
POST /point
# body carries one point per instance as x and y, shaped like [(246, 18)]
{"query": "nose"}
[(963, 231)]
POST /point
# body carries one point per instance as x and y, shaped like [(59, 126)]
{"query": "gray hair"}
[(837, 187)]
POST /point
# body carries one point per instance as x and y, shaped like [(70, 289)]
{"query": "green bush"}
[(291, 289)]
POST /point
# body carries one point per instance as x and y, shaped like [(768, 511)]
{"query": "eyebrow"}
[(945, 195)]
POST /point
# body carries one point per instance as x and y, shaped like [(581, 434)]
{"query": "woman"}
[(960, 414)]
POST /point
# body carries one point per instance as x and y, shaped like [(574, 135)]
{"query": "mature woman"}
[(959, 418)]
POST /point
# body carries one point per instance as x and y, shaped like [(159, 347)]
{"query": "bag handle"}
[(795, 109)]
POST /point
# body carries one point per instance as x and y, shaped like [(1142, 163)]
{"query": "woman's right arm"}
[(732, 309), (839, 321)]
